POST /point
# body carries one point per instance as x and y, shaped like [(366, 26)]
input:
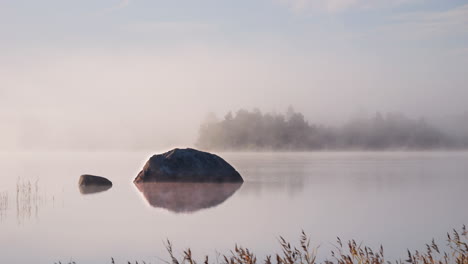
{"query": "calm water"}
[(401, 200)]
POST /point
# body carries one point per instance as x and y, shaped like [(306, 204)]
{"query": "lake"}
[(398, 199)]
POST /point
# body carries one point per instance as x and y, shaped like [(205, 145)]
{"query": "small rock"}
[(87, 179)]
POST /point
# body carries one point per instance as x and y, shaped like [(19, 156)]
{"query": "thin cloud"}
[(336, 6), (429, 24), (168, 27), (120, 5), (448, 21)]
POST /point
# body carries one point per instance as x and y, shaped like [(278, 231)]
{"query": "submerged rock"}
[(185, 197), (187, 165), (87, 180)]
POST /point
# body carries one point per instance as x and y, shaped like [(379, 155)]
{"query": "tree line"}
[(254, 130)]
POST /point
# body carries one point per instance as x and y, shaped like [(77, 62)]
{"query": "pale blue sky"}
[(328, 58)]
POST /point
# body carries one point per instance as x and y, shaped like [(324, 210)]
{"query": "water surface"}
[(398, 199)]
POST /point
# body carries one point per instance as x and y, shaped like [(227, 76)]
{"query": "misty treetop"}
[(254, 130)]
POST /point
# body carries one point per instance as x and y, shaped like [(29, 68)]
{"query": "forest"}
[(254, 130)]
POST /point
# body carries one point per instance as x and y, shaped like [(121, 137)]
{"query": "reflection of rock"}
[(187, 165), (89, 189), (92, 184), (186, 197)]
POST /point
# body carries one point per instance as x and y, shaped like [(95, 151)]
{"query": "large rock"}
[(187, 165), (186, 197), (87, 180)]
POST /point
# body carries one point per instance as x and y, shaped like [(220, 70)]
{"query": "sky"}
[(160, 66)]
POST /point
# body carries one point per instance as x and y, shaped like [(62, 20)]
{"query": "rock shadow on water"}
[(186, 197), (91, 189)]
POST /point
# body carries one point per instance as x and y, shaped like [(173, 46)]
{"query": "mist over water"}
[(248, 130), (93, 98)]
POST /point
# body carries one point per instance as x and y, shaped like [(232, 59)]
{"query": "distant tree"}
[(228, 116), (211, 118)]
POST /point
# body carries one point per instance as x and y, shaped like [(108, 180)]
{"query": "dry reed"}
[(348, 253), (28, 199), (3, 205)]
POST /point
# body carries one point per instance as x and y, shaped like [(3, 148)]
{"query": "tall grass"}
[(348, 253), (343, 253), (28, 199), (3, 204)]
